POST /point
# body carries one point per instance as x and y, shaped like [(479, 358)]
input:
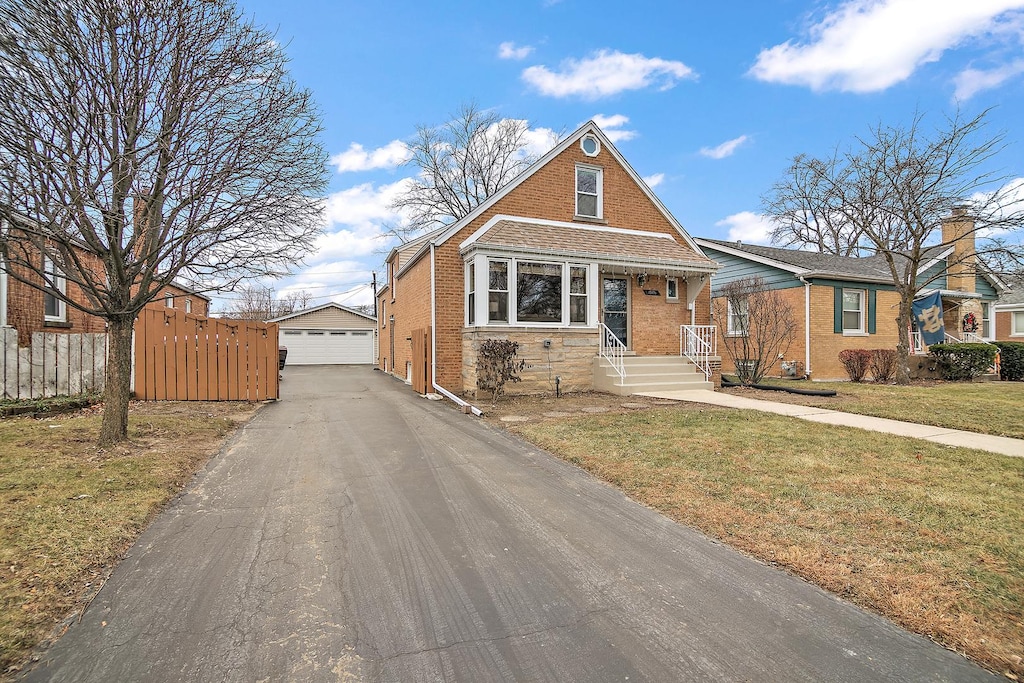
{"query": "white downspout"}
[(807, 325), (433, 347)]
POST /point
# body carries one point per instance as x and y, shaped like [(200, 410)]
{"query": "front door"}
[(616, 306)]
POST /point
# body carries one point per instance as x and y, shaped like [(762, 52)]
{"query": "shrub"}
[(963, 361), (856, 362), (883, 364), (1011, 361), (496, 364)]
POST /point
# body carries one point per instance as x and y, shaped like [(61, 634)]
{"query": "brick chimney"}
[(958, 232)]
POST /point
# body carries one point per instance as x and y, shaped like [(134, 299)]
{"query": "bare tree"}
[(887, 196), (461, 163), (757, 326), (262, 303), (142, 141)]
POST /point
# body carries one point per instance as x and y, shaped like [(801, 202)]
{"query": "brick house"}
[(28, 309), (576, 260), (850, 303)]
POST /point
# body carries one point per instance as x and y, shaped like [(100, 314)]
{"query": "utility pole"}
[(374, 294)]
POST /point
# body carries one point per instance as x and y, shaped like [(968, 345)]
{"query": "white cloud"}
[(654, 180), (538, 142), (970, 82), (870, 45), (355, 220), (612, 126), (747, 226), (726, 149), (509, 50), (355, 158), (606, 73)]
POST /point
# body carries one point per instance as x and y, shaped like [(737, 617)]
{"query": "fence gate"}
[(421, 380), (184, 357)]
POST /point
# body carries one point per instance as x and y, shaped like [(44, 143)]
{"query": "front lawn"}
[(70, 509), (986, 407), (926, 534)]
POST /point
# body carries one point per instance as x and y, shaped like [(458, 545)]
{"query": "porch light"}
[(641, 279)]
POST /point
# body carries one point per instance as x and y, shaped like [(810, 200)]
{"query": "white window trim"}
[(168, 300), (988, 319), (669, 297), (600, 190), (61, 285), (597, 143), (482, 263), (729, 329), (1014, 331), (862, 330), (474, 291), (188, 305)]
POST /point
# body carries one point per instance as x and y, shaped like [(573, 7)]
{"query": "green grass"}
[(928, 535), (70, 510), (986, 407)]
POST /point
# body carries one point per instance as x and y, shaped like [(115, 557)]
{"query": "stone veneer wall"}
[(571, 356)]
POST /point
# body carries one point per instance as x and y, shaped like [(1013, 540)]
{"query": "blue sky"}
[(708, 101)]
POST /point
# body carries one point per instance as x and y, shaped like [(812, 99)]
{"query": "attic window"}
[(590, 145), (588, 192)]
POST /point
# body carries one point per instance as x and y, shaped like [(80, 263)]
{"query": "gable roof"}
[(314, 309), (1011, 298), (655, 250), (447, 232)]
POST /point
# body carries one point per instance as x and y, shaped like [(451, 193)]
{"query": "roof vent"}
[(739, 243)]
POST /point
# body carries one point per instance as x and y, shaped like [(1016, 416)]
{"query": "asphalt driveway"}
[(355, 531)]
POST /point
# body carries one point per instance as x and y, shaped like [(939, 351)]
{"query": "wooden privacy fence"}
[(421, 379), (54, 364), (185, 357)]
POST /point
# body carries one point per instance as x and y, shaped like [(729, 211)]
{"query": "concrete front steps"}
[(649, 373)]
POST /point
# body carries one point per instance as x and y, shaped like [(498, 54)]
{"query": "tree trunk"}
[(903, 340), (117, 393)]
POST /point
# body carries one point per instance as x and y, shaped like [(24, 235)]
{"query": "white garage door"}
[(327, 347)]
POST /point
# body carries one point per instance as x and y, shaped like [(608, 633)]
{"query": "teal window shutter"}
[(838, 310), (871, 311)]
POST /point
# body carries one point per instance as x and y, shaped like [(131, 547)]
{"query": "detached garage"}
[(331, 334)]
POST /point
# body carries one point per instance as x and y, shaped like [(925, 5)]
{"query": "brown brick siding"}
[(825, 343), (1004, 327), (548, 194)]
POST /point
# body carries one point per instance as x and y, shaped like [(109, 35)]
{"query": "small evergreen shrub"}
[(959, 362), (1011, 361), (496, 365), (883, 364), (856, 362)]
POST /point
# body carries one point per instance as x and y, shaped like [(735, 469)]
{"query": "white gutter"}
[(433, 347), (807, 325)]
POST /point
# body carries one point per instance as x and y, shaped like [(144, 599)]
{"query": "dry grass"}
[(70, 510), (928, 535), (984, 407)]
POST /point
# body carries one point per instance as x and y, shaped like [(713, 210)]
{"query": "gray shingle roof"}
[(860, 267)]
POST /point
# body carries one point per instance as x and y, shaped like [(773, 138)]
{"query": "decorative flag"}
[(928, 314)]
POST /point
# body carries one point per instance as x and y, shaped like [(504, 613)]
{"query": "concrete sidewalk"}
[(949, 437)]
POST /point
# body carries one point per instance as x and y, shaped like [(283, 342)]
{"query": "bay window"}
[(497, 292), (538, 292), (529, 292)]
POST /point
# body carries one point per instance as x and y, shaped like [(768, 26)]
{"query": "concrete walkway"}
[(949, 437)]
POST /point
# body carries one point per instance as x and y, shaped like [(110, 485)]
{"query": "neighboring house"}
[(1009, 315), (850, 303), (28, 309), (576, 260), (331, 334)]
